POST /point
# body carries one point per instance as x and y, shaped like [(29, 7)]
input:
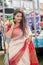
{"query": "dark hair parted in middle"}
[(23, 21)]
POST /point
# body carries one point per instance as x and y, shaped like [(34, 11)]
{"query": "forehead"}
[(19, 14)]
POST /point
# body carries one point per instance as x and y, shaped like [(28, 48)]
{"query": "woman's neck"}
[(17, 24)]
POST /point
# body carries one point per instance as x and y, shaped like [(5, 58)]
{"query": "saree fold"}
[(33, 56), (14, 60), (22, 53), (18, 52)]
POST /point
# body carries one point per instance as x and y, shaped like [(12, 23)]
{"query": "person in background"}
[(1, 32)]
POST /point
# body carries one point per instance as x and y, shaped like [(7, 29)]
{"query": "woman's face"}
[(18, 17)]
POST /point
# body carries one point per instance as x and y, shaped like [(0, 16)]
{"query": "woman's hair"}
[(23, 21)]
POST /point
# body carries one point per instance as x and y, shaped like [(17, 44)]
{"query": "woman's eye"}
[(19, 16)]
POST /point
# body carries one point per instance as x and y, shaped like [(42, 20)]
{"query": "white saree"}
[(17, 52)]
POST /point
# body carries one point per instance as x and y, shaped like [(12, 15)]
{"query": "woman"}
[(18, 36)]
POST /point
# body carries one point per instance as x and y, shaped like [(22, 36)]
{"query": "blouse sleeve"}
[(8, 27)]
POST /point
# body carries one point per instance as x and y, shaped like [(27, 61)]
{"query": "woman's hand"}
[(13, 24), (29, 39)]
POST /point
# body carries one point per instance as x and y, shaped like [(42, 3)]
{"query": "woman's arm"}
[(29, 34), (9, 33)]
